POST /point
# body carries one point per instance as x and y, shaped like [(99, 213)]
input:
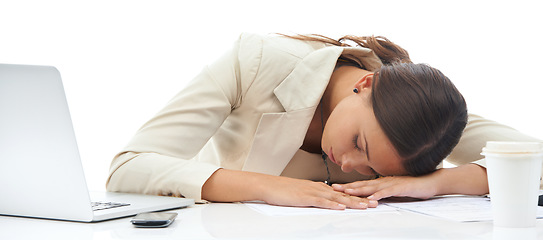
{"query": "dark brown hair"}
[(421, 112), (418, 108)]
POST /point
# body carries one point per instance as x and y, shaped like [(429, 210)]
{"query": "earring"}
[(355, 90)]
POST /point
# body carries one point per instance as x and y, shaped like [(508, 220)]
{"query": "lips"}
[(331, 156)]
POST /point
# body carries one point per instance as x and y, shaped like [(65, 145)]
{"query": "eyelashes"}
[(355, 143)]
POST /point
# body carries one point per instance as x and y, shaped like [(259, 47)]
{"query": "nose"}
[(350, 161), (346, 167), (356, 161)]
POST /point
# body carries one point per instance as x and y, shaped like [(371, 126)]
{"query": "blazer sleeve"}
[(477, 132), (159, 158)]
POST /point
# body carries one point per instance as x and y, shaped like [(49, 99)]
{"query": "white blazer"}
[(249, 111)]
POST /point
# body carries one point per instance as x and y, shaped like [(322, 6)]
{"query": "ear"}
[(364, 82)]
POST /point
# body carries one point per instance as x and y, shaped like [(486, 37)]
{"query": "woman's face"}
[(353, 139)]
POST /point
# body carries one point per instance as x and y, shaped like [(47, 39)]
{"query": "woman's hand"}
[(304, 193), (397, 186), (469, 179), (234, 186)]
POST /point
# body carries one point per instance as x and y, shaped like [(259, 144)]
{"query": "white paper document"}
[(457, 208), (272, 210)]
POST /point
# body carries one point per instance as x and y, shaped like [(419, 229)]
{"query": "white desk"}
[(237, 221)]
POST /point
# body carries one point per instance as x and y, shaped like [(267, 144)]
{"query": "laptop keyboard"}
[(106, 205)]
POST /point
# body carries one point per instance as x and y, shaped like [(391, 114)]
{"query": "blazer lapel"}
[(280, 135)]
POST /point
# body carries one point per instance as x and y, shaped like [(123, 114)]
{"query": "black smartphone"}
[(153, 219)]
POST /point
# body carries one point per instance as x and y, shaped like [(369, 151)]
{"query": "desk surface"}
[(238, 221)]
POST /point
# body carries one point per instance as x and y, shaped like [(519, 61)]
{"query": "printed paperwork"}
[(456, 207)]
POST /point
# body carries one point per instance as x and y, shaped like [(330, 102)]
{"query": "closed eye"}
[(355, 143)]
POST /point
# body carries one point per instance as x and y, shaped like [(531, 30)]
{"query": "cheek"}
[(342, 124), (341, 121), (330, 128), (336, 132)]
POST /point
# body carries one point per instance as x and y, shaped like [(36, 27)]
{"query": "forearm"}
[(234, 186), (469, 179), (156, 174)]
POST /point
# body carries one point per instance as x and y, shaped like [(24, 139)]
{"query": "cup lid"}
[(513, 147)]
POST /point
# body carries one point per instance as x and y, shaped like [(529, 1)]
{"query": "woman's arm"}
[(159, 159), (469, 179), (233, 186)]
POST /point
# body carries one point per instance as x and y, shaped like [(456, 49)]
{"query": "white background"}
[(121, 61)]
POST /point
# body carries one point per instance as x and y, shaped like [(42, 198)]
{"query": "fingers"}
[(353, 202), (358, 184), (399, 186), (338, 200), (362, 188), (328, 204), (305, 193), (342, 202), (387, 192), (342, 187)]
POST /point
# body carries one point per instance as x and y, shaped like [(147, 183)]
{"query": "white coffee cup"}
[(514, 170)]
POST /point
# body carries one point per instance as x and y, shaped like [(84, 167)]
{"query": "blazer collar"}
[(305, 85)]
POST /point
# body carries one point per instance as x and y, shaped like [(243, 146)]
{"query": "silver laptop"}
[(41, 174)]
